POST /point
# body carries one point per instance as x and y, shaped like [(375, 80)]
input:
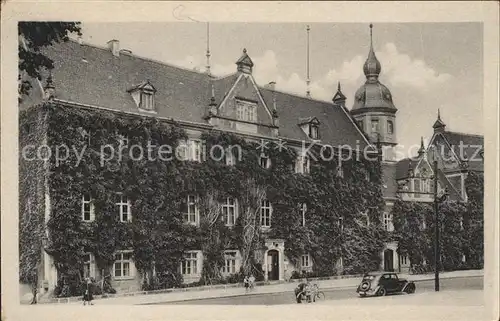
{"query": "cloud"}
[(398, 70)]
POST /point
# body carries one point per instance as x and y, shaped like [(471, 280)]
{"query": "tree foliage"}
[(34, 36), (461, 230)]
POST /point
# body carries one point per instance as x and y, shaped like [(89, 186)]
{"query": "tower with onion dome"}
[(373, 108)]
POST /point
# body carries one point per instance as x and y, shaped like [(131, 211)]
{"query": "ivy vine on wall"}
[(342, 218)]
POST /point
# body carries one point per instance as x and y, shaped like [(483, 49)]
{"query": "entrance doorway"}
[(273, 267), (389, 260)]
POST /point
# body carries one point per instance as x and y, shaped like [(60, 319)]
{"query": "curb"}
[(229, 286), (274, 292)]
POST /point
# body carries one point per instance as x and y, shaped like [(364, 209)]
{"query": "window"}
[(360, 124), (147, 102), (374, 125), (302, 165), (195, 150), (191, 211), (416, 187), (229, 266), (230, 159), (264, 161), (190, 264), (340, 171), (87, 208), (366, 218), (306, 261), (189, 150), (390, 127), (88, 265), (124, 208), (340, 223), (425, 185), (229, 211), (366, 174), (387, 221), (404, 260), (314, 131), (265, 213), (122, 266), (246, 111), (303, 209)]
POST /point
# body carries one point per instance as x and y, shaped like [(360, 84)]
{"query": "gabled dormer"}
[(310, 126), (143, 95)]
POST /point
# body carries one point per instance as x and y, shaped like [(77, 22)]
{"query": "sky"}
[(425, 65)]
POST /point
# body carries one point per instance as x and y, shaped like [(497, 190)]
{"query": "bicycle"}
[(316, 294)]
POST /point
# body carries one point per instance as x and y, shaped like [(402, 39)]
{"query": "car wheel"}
[(410, 289), (382, 292)]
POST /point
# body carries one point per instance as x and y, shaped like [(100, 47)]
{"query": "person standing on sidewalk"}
[(88, 296), (251, 281)]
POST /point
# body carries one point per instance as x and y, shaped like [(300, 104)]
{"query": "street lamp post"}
[(436, 229)]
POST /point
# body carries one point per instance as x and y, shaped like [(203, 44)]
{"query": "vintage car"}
[(380, 284)]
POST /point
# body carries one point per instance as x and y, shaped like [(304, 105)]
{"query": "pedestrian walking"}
[(87, 295), (246, 283)]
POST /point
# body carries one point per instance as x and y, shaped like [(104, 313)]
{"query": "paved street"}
[(471, 283)]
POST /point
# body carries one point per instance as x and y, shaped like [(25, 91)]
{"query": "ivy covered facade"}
[(178, 178)]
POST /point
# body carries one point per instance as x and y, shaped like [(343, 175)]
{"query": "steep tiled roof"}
[(403, 166), (93, 76), (472, 143), (336, 126)]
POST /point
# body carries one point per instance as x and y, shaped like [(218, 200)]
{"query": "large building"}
[(112, 80)]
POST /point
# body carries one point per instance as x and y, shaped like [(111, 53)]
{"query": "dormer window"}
[(147, 102), (143, 95), (310, 126), (313, 131)]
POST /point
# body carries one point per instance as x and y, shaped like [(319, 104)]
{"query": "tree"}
[(251, 199), (34, 36)]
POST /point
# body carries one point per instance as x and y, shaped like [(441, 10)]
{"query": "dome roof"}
[(373, 94)]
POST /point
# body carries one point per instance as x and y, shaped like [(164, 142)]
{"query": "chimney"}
[(114, 47), (271, 86), (126, 51)]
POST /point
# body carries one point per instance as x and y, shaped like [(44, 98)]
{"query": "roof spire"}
[(439, 125), (372, 66), (308, 81), (421, 150), (339, 98), (208, 48)]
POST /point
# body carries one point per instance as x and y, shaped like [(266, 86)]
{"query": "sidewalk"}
[(194, 294)]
